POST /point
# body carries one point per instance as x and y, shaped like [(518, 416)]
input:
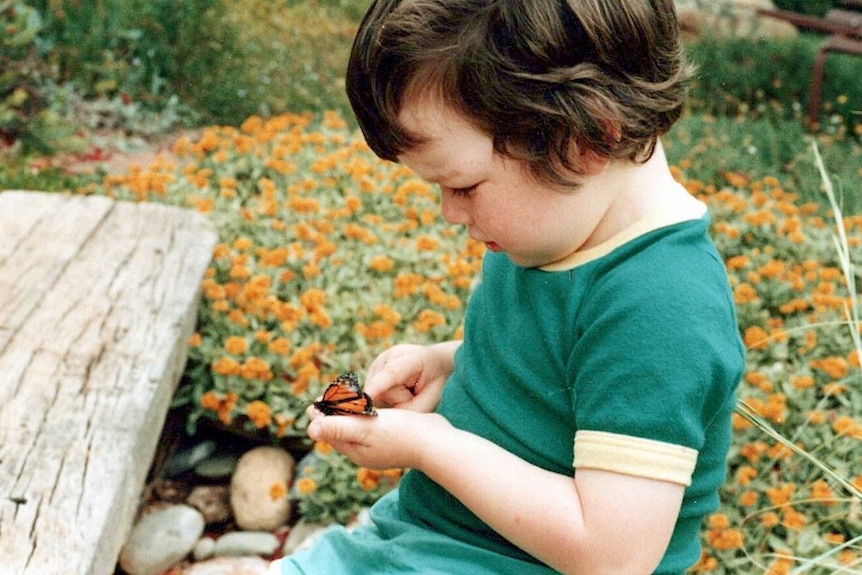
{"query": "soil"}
[(110, 152)]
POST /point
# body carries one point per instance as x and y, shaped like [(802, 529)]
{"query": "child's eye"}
[(462, 192)]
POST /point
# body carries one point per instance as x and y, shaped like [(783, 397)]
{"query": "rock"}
[(170, 490), (245, 543), (161, 539), (259, 489), (302, 536), (216, 467), (363, 518), (229, 566), (204, 549), (728, 18), (186, 459), (213, 501)]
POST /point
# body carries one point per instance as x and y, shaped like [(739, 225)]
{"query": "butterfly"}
[(345, 397)]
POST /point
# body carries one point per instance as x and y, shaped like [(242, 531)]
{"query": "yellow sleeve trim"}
[(634, 456)]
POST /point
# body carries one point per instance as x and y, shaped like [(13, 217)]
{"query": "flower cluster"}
[(329, 255), (330, 488), (795, 309)]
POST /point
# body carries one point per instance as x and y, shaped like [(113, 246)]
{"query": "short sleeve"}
[(657, 358)]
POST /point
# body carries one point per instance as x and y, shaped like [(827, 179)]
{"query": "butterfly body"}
[(344, 396)]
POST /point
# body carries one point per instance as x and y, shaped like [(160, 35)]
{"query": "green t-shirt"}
[(625, 358), (632, 357)]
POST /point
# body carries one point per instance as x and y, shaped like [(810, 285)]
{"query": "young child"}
[(582, 425)]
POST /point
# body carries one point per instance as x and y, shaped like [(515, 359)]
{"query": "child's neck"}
[(639, 190)]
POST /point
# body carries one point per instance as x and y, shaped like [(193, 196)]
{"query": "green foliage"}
[(226, 60), (744, 75), (330, 255), (768, 140), (146, 50), (22, 105), (295, 53), (329, 488), (812, 7)]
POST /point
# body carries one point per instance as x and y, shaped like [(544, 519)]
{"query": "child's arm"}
[(411, 376), (599, 522)]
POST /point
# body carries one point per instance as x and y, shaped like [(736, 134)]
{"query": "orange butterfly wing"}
[(344, 396)]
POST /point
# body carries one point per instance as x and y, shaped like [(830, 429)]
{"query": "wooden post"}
[(97, 301)]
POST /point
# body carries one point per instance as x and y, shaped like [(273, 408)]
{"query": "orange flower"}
[(769, 519), (226, 366), (846, 425), (782, 565), (381, 263), (222, 405), (306, 485), (821, 491), (378, 330), (277, 491), (835, 367), (802, 381), (780, 495), (387, 314), (407, 284), (847, 557), (259, 413), (242, 244), (705, 564), (368, 478), (756, 378), (745, 293), (755, 337), (426, 243), (719, 521), (745, 474), (720, 535), (427, 320), (748, 498), (256, 368), (210, 401), (312, 299), (725, 539), (793, 519), (279, 346), (235, 345)]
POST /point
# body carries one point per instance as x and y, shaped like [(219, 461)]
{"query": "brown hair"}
[(546, 79)]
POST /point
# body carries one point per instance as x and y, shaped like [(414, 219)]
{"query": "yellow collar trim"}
[(648, 223)]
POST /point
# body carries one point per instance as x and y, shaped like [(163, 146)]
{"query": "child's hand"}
[(410, 376), (394, 438)]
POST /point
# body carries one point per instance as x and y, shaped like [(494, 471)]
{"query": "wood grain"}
[(97, 301)]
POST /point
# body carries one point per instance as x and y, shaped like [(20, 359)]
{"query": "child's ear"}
[(593, 162)]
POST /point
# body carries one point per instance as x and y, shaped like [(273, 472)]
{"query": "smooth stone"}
[(204, 548), (213, 501), (216, 467), (245, 543), (259, 494), (161, 539), (302, 535), (229, 566), (186, 459)]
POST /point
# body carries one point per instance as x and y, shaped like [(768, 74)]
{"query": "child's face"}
[(501, 204)]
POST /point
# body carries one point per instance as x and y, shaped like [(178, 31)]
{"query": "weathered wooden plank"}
[(35, 250), (89, 362)]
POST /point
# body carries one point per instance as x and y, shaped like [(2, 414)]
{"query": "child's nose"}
[(454, 209)]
